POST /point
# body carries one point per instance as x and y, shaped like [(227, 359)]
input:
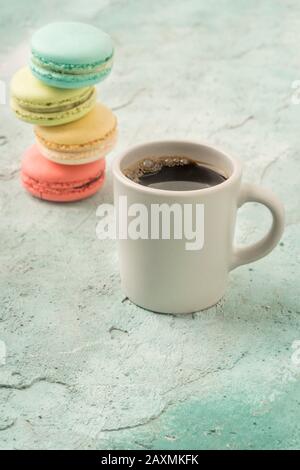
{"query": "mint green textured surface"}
[(86, 369)]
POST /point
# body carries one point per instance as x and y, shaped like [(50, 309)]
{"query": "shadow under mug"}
[(161, 275)]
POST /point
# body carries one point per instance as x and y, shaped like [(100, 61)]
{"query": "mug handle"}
[(253, 193)]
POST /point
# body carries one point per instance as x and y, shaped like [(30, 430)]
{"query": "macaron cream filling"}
[(63, 106), (60, 188), (68, 79), (72, 69)]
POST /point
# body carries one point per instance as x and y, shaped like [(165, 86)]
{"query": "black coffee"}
[(173, 174)]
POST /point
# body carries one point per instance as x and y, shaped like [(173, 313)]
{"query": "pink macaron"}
[(60, 183)]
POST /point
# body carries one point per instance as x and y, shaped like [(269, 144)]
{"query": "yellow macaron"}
[(82, 141), (36, 103)]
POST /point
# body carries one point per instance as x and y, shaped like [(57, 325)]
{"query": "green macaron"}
[(37, 103), (71, 54)]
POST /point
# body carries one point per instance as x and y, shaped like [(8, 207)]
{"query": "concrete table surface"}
[(85, 368)]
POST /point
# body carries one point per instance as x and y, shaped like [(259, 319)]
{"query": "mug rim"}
[(119, 175)]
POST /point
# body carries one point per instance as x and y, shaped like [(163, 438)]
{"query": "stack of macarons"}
[(57, 94)]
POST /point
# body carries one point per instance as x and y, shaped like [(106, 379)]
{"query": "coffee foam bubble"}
[(152, 165)]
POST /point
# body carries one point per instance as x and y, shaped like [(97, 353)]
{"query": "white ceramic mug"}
[(162, 275)]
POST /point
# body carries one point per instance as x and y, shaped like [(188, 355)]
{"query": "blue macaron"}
[(71, 55)]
